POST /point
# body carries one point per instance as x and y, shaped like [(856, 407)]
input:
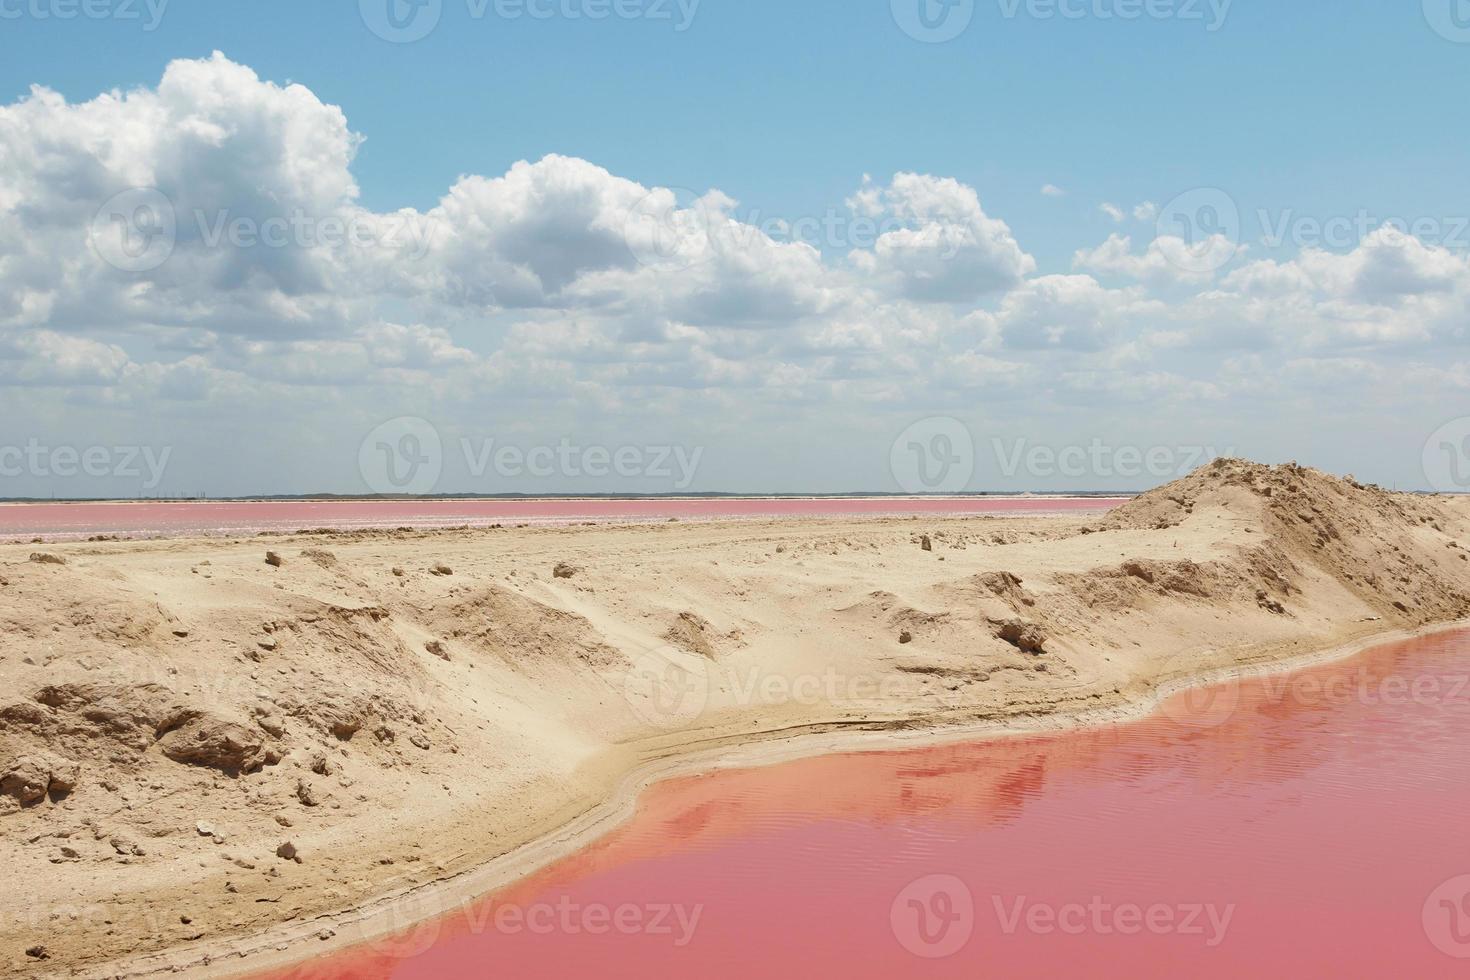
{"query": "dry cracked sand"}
[(211, 748)]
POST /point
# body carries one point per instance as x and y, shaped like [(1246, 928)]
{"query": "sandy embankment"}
[(403, 709)]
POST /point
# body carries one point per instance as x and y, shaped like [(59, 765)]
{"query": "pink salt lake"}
[(1315, 824)]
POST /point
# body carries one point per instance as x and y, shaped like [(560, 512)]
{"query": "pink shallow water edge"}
[(1310, 825), (71, 520)]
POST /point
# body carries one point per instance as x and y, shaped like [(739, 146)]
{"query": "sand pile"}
[(198, 745), (1397, 552)]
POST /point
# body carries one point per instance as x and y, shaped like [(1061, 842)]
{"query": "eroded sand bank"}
[(429, 713)]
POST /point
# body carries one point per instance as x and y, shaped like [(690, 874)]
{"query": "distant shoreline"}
[(452, 498), (83, 519)]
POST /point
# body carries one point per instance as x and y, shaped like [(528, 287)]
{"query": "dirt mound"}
[(1008, 587), (513, 628), (1024, 635), (363, 634), (1393, 550), (692, 632)]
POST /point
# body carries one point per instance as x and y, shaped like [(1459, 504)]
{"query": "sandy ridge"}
[(418, 712)]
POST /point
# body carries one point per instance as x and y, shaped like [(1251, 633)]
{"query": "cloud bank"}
[(189, 263)]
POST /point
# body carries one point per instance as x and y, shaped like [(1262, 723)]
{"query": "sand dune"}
[(198, 746)]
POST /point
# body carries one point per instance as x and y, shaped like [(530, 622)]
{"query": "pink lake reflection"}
[(1306, 826)]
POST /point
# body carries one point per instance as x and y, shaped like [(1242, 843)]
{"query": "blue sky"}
[(1319, 105), (1055, 319)]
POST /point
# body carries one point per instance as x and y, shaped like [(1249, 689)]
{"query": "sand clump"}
[(407, 705)]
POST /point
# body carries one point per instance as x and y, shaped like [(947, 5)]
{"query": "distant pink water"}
[(1316, 825), (73, 520)]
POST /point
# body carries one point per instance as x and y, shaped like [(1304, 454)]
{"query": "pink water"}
[(1316, 825), (72, 520)]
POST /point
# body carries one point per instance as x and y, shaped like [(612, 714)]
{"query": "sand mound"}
[(1395, 551), (515, 629), (400, 706)]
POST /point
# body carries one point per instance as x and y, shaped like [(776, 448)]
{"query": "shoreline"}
[(81, 521), (394, 913), (1105, 495)]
